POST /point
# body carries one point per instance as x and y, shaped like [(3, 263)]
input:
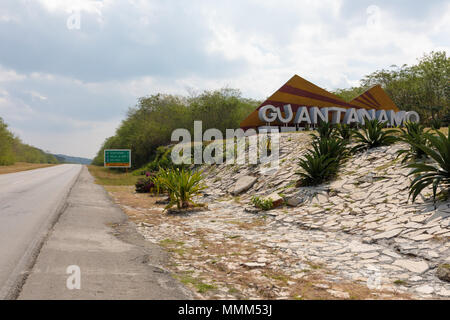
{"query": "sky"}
[(70, 70)]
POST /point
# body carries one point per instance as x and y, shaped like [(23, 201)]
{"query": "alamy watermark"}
[(74, 279), (74, 20), (237, 147)]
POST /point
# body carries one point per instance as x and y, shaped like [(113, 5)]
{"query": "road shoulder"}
[(114, 260)]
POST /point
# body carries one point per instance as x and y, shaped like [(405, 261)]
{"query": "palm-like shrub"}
[(373, 136), (344, 132), (325, 130), (181, 185), (323, 160), (412, 134), (317, 169), (435, 174), (332, 147), (435, 124)]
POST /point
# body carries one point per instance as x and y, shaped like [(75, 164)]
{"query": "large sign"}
[(299, 102), (117, 158)]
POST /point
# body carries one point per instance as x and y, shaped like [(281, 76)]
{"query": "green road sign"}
[(118, 158)]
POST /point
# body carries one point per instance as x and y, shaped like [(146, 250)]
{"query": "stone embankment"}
[(360, 227)]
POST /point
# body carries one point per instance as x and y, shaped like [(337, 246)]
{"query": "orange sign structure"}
[(299, 93)]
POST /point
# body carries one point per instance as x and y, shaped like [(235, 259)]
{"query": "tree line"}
[(423, 87), (150, 123), (13, 150)]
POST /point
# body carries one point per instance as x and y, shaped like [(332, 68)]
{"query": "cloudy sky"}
[(69, 70)]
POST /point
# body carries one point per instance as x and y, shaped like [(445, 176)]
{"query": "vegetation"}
[(412, 134), (435, 174), (373, 135), (181, 184), (144, 185), (12, 149), (108, 177), (264, 204), (323, 160), (151, 123), (344, 132), (325, 130), (422, 87)]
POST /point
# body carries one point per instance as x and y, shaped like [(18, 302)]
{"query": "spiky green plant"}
[(324, 129), (373, 136), (438, 172), (435, 124), (182, 185), (344, 132), (317, 169), (332, 147), (412, 134)]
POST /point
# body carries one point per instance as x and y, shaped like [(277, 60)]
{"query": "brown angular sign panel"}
[(299, 102)]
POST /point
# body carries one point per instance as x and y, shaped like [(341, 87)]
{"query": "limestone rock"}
[(243, 184), (411, 265)]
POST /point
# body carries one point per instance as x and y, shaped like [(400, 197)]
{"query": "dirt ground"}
[(225, 269)]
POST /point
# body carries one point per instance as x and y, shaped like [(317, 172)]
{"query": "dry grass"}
[(110, 177), (23, 166)]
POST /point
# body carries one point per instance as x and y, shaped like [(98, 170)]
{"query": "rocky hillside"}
[(361, 226)]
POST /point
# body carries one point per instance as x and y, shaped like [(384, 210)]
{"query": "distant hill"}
[(69, 159)]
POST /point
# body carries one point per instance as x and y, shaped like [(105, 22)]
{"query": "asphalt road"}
[(30, 202), (113, 260)]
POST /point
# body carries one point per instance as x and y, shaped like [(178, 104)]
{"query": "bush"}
[(325, 130), (435, 124), (181, 185), (317, 169), (373, 136), (264, 204), (144, 185), (323, 160), (413, 135), (344, 132), (435, 174)]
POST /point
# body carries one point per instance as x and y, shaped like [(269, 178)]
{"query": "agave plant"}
[(435, 174), (373, 136), (344, 132), (182, 185), (317, 168), (325, 130), (331, 147), (435, 124), (413, 134)]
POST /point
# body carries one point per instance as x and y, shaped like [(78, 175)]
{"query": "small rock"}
[(276, 199), (253, 265), (425, 289), (388, 234), (242, 184), (339, 294), (411, 265)]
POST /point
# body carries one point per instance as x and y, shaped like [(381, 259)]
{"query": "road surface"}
[(113, 260), (30, 202)]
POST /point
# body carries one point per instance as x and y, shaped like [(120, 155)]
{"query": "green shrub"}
[(324, 129), (412, 134), (435, 124), (343, 131), (181, 185), (317, 169), (373, 136), (331, 147), (435, 174), (264, 204)]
